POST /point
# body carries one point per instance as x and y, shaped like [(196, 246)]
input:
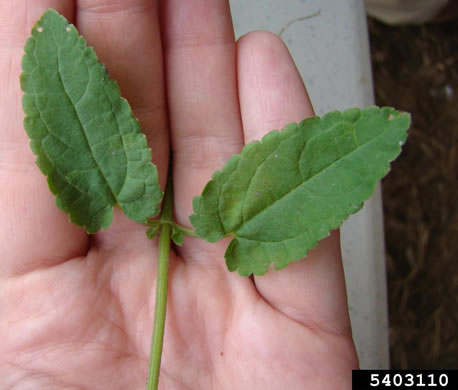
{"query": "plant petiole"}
[(186, 231), (157, 223)]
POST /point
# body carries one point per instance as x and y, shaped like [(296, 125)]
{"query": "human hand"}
[(77, 310)]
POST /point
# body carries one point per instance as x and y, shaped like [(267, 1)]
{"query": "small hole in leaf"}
[(391, 117), (68, 29), (40, 29)]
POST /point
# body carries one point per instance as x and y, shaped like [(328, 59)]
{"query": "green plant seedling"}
[(276, 199)]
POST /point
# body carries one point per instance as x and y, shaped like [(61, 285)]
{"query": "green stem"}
[(161, 287), (186, 231)]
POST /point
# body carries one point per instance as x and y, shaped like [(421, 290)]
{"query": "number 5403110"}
[(388, 379)]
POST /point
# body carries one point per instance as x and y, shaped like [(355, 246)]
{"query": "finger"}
[(272, 94), (202, 93), (126, 37), (33, 232)]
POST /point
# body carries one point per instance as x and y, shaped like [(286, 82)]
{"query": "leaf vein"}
[(251, 180), (361, 146), (59, 72)]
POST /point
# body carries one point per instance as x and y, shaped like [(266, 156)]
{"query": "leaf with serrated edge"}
[(87, 141), (280, 196)]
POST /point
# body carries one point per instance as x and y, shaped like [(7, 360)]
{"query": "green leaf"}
[(282, 195), (177, 235), (87, 141), (152, 232)]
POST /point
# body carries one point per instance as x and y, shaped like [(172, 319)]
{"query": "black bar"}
[(405, 379)]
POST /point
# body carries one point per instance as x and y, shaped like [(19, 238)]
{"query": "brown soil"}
[(416, 69)]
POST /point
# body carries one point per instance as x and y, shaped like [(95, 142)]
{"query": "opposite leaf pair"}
[(277, 198)]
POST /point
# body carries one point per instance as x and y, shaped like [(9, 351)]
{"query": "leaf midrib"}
[(363, 145), (79, 119), (53, 135)]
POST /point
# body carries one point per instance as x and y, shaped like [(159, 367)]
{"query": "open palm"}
[(76, 311)]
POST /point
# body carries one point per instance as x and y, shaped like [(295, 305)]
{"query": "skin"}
[(76, 311)]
